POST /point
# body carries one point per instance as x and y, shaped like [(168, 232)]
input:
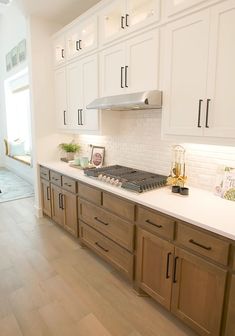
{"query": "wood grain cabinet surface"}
[(119, 206), (46, 197), (90, 193), (44, 173), (230, 324)]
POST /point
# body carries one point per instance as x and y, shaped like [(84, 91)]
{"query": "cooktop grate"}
[(128, 178)]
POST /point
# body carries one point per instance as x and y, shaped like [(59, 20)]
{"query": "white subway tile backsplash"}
[(139, 145)]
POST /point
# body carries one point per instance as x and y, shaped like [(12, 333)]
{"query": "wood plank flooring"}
[(50, 286)]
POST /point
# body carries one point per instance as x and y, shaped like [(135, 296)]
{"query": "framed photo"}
[(8, 62), (14, 56), (97, 156), (22, 51)]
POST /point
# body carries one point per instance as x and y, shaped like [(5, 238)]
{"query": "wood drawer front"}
[(69, 184), (45, 173), (89, 193), (55, 178), (109, 225), (203, 243), (116, 255), (155, 222), (120, 207)]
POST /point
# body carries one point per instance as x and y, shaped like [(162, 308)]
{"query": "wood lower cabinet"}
[(230, 323), (46, 197), (69, 202), (154, 266), (56, 202), (64, 209), (198, 293)]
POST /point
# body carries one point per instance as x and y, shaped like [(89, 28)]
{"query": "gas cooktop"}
[(127, 178)]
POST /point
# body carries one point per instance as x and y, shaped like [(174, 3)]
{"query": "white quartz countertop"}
[(200, 208)]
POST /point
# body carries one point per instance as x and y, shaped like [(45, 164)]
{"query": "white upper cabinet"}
[(176, 6), (62, 117), (131, 66), (199, 74), (121, 17), (82, 38), (82, 88), (185, 75), (220, 113), (59, 50)]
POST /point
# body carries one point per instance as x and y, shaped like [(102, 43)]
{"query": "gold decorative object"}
[(177, 175)]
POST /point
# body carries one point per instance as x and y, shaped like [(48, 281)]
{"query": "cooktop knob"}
[(116, 182), (108, 179), (112, 181), (104, 178)]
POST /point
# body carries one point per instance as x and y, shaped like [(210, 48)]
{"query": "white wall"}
[(139, 145), (45, 135), (13, 29)]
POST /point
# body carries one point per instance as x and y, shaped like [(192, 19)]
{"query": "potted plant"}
[(70, 149)]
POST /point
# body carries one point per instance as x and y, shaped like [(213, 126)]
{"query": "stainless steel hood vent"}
[(133, 101)]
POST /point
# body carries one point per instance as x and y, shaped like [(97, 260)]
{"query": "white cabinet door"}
[(89, 74), (142, 59), (113, 20), (113, 70), (74, 94), (61, 111), (175, 6), (59, 50), (82, 38), (186, 62), (221, 78), (141, 12)]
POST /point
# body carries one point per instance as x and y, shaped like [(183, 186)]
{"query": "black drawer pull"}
[(55, 179), (101, 247), (199, 113), (68, 185), (175, 269), (208, 248), (60, 200), (48, 194), (167, 265), (100, 221), (151, 223), (207, 112), (122, 22)]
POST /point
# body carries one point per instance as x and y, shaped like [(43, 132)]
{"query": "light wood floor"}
[(49, 285)]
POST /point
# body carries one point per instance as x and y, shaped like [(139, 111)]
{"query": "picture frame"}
[(22, 51), (97, 156), (8, 62)]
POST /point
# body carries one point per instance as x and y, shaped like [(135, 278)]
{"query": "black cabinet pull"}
[(122, 69), (62, 53), (126, 76), (127, 22), (60, 206), (101, 247), (100, 221), (81, 117), (77, 46), (65, 118), (122, 22), (62, 201), (68, 185), (175, 269), (199, 113), (207, 112), (48, 193), (208, 248), (151, 223), (167, 265), (79, 123)]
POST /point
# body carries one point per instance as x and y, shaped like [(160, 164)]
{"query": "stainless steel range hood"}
[(133, 101)]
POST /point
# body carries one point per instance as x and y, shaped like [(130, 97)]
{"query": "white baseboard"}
[(38, 212)]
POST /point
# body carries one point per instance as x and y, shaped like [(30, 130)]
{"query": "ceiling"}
[(61, 11)]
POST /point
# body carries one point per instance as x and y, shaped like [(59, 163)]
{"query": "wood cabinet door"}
[(142, 59), (230, 323), (46, 197), (154, 266), (185, 74), (69, 204), (61, 111), (56, 203), (113, 70), (220, 118), (198, 293)]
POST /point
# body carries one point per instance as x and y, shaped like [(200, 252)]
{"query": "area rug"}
[(13, 187)]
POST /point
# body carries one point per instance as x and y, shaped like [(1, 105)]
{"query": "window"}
[(18, 110)]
